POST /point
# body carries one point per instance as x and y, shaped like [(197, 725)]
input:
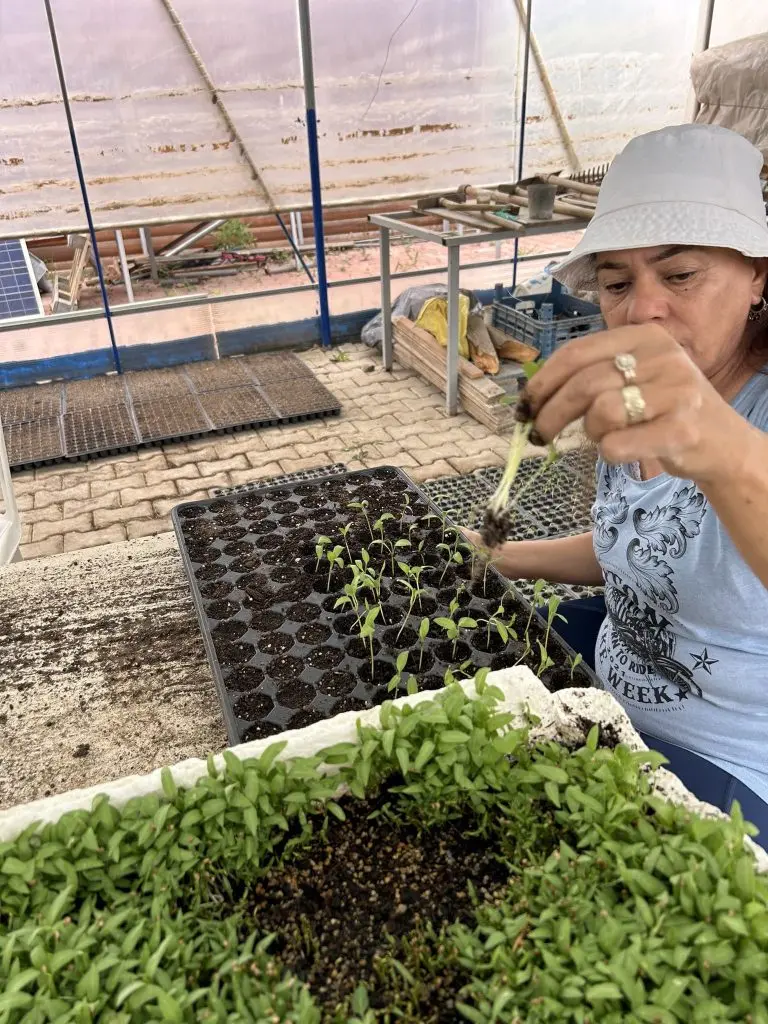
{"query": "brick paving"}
[(387, 418)]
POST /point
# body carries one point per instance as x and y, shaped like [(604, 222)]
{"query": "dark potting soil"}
[(366, 892), (247, 553), (254, 705), (245, 677)]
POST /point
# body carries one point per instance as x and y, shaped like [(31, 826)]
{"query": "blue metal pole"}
[(523, 115), (305, 31), (83, 189)]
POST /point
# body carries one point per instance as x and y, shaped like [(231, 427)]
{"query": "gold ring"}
[(634, 403), (626, 364)]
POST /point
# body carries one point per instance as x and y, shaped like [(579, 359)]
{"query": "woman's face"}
[(701, 296)]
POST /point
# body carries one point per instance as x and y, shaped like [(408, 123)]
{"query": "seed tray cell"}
[(170, 417), (34, 443), (276, 366), (94, 393), (282, 653), (296, 477), (23, 405), (147, 385), (235, 407), (218, 374), (99, 429), (300, 397), (464, 498)]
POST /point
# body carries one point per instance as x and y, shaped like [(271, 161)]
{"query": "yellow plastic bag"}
[(434, 318)]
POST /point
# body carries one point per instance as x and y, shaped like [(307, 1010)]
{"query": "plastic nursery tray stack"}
[(79, 419), (283, 654), (560, 318)]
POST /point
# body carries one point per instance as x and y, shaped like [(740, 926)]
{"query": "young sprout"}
[(452, 628), (345, 531), (362, 506), (368, 627), (552, 613), (322, 544), (502, 627), (423, 631), (404, 509), (545, 661), (574, 662), (400, 663), (390, 548), (378, 526), (335, 561), (350, 598), (412, 585)]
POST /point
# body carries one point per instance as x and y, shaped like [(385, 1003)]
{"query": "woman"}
[(675, 394)]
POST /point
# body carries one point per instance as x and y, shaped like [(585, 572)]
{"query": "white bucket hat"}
[(692, 184)]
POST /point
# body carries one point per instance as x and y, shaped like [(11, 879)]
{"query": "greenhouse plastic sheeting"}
[(413, 96), (731, 84)]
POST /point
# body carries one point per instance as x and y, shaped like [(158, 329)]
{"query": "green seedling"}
[(538, 590), (362, 506), (574, 661), (452, 628), (405, 508), (552, 613), (500, 624), (390, 548), (400, 662), (320, 548), (345, 531), (335, 561), (350, 598), (423, 633), (340, 357), (380, 524), (368, 628)]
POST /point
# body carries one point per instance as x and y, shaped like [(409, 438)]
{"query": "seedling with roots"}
[(367, 629)]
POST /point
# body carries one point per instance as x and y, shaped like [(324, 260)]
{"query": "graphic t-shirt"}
[(684, 647)]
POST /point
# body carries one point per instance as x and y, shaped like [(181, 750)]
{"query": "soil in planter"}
[(271, 570), (369, 893)]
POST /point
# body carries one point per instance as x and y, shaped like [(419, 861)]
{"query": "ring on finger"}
[(626, 364), (634, 403)]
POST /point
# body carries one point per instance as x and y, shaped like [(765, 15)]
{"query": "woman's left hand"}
[(680, 421)]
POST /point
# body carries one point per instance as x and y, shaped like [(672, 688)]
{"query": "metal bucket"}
[(541, 201)]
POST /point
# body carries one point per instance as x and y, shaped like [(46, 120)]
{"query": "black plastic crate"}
[(569, 318), (282, 655)]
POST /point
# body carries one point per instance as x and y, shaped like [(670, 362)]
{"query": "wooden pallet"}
[(416, 349)]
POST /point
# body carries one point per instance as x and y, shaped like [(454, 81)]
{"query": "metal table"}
[(407, 223)]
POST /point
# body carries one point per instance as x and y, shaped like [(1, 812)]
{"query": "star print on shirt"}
[(682, 695), (704, 661)]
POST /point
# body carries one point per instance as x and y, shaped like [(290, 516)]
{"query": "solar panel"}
[(19, 296)]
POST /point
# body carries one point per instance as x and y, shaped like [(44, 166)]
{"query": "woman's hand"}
[(685, 425)]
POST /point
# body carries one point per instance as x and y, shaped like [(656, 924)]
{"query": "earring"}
[(756, 311)]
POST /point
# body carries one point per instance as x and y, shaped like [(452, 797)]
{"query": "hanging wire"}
[(81, 179)]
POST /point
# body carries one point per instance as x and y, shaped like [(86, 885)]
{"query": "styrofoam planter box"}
[(561, 717)]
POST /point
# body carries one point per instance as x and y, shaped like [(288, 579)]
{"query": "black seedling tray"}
[(81, 419), (282, 655), (297, 477)]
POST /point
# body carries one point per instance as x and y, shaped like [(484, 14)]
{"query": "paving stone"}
[(133, 495), (94, 538), (159, 476), (295, 465), (104, 517), (147, 527), (44, 498), (52, 546), (73, 508), (61, 527), (222, 466), (43, 515), (187, 487), (257, 459), (431, 471), (99, 487)]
